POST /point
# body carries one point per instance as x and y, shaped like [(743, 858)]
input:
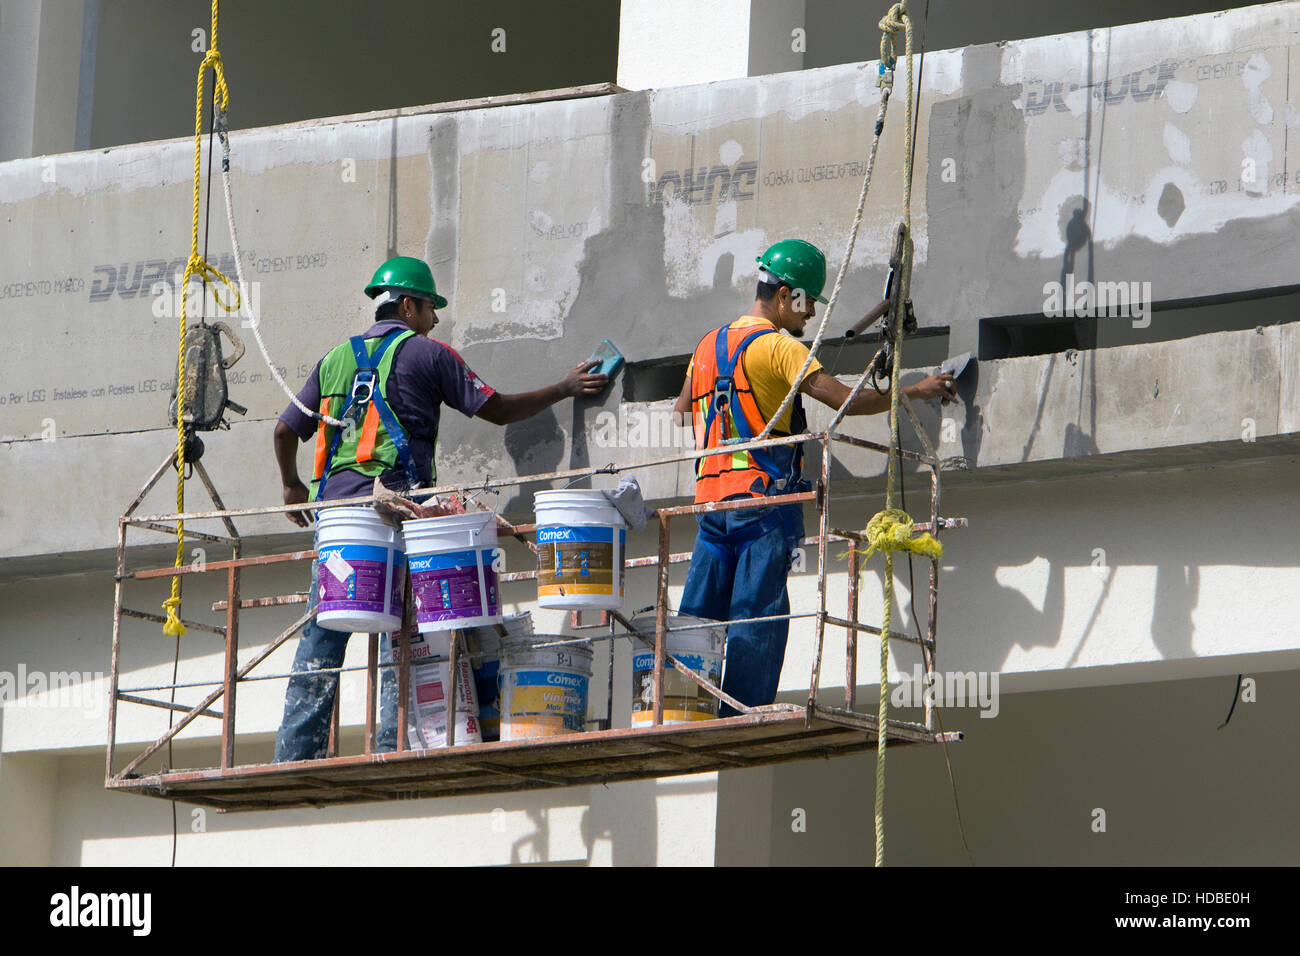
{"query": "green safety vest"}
[(370, 448)]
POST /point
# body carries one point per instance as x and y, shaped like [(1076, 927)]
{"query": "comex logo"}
[(74, 909)]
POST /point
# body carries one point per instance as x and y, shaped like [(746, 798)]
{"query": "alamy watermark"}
[(207, 298), (953, 689), (643, 429), (74, 690), (129, 910), (1092, 300)]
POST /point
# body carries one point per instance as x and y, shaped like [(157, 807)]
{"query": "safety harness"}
[(724, 401), (366, 410)]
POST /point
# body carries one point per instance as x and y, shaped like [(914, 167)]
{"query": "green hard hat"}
[(798, 264), (404, 275)]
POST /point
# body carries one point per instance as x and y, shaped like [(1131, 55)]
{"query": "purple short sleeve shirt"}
[(426, 375)]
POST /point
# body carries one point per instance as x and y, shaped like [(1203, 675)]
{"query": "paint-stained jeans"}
[(738, 570), (309, 702)]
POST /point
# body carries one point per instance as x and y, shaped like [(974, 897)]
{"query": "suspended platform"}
[(776, 733), (773, 734)]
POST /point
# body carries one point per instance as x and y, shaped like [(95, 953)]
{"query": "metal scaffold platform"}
[(774, 734), (760, 735)]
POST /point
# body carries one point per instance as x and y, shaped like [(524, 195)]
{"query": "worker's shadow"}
[(536, 446), (586, 412), (627, 816), (539, 841)]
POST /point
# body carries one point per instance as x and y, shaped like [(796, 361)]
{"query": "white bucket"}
[(543, 689), (699, 648), (359, 571), (426, 721), (581, 540), (483, 645), (452, 578)]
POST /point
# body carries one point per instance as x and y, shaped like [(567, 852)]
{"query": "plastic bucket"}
[(700, 648), (426, 722), (484, 648), (581, 539), (452, 578), (543, 689), (359, 571)]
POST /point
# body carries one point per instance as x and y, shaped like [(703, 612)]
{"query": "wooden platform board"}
[(772, 735)]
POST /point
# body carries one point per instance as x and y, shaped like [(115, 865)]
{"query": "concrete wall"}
[(1174, 790), (540, 223), (20, 30), (842, 31), (442, 53), (285, 61)]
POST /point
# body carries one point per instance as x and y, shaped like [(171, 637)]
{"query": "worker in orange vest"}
[(737, 379)]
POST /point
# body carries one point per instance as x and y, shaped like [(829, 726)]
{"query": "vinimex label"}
[(580, 560), (542, 702)]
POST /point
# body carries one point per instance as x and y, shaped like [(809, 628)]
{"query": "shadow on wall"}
[(624, 814), (1172, 790), (628, 816), (1059, 566), (1106, 526), (536, 446)]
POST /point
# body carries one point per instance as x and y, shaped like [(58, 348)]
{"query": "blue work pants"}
[(309, 701), (738, 570)]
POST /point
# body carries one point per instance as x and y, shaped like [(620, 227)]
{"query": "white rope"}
[(254, 321), (839, 278)]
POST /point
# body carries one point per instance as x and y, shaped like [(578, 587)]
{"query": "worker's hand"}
[(579, 381), (297, 494), (935, 386)]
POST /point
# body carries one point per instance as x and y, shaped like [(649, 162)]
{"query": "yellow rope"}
[(891, 529), (196, 265)]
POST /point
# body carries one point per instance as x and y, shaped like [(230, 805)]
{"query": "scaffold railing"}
[(759, 735)]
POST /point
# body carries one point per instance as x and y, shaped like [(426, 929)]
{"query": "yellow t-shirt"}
[(771, 362)]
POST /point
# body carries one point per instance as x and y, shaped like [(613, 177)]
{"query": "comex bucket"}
[(359, 565), (426, 720), (484, 647), (543, 689), (581, 540), (453, 579), (699, 647)]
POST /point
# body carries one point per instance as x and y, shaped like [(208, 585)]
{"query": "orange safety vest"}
[(719, 383)]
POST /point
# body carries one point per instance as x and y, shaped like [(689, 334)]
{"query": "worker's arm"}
[(829, 390), (286, 456), (503, 409), (683, 406)]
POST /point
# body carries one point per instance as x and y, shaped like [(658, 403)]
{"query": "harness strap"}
[(725, 387), (370, 363)]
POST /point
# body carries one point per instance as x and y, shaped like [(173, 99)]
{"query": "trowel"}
[(955, 366)]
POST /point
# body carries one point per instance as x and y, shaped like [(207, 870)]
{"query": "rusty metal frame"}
[(236, 565)]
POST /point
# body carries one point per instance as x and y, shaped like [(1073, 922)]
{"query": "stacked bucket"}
[(512, 684)]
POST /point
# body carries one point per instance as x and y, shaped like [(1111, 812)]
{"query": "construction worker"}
[(737, 379), (413, 376)]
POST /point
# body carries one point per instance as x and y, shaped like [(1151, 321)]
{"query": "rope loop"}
[(173, 626), (210, 273), (894, 26), (892, 530)]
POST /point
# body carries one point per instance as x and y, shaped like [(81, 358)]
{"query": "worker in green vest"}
[(389, 385)]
